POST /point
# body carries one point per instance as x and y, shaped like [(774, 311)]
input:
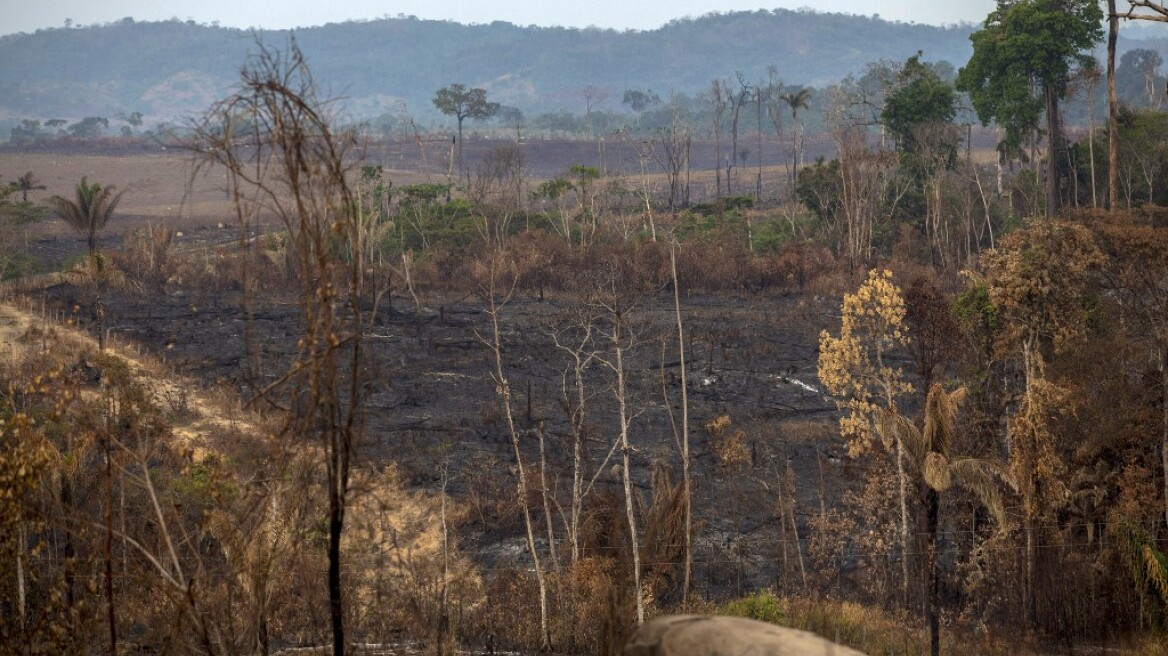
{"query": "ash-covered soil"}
[(433, 406)]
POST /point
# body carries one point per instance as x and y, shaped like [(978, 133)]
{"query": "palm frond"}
[(941, 417), (1148, 568), (937, 471), (891, 425), (1156, 569), (982, 477), (89, 211)]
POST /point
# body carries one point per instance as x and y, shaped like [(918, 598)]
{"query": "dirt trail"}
[(196, 414)]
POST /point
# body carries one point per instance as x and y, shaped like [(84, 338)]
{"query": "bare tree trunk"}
[(1112, 111), (822, 502), (336, 527), (577, 462), (1091, 138), (503, 387), (904, 532), (1164, 426), (932, 509), (22, 539), (618, 367), (685, 472), (68, 550), (758, 146), (109, 547), (547, 505), (1029, 502), (737, 103), (444, 613), (789, 491), (626, 477), (1054, 148)]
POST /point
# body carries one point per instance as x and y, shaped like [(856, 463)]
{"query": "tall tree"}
[(1037, 281), (1029, 45), (921, 97), (462, 103), (719, 98), (290, 160), (918, 113), (796, 100), (1112, 110), (90, 209), (1137, 77)]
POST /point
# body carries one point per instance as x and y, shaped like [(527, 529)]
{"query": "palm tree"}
[(90, 211), (930, 455), (26, 183), (87, 215), (796, 100)]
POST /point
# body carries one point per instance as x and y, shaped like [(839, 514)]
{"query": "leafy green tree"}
[(921, 98), (1137, 78), (462, 103), (639, 101), (1029, 45), (90, 127), (918, 112), (89, 211)]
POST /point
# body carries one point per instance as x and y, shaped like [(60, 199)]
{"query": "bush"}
[(763, 606)]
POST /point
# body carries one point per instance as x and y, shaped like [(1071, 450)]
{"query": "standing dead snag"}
[(618, 332), (503, 388), (276, 140)]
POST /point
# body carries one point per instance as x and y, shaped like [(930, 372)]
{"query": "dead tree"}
[(577, 340), (494, 344), (738, 101), (621, 338), (718, 96), (276, 140)]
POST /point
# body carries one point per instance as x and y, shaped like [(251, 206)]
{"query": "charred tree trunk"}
[(1055, 138), (932, 513), (336, 609), (1112, 111)]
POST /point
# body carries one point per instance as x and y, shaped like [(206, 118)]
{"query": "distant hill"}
[(172, 69)]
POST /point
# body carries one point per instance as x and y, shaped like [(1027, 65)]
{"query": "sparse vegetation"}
[(933, 423)]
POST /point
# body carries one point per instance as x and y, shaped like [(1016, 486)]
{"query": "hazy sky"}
[(620, 14)]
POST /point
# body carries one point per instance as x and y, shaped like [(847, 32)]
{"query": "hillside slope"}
[(172, 68)]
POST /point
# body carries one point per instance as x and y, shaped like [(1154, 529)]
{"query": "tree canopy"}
[(1022, 60), (462, 103), (1023, 43), (921, 98)]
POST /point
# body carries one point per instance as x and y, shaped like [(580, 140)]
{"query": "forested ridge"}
[(172, 68)]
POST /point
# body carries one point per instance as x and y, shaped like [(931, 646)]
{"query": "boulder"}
[(704, 635)]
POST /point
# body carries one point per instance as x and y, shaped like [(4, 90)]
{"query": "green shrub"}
[(762, 605)]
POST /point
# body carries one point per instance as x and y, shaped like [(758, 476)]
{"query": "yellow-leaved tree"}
[(854, 369)]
